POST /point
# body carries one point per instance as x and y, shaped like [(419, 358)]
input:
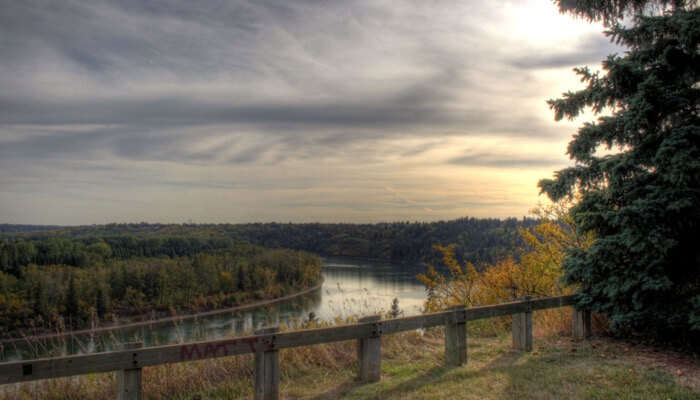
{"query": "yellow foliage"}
[(538, 274), (500, 282), (459, 289)]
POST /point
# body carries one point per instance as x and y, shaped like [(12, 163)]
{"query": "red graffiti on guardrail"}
[(211, 350)]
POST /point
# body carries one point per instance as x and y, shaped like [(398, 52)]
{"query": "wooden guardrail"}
[(266, 343)]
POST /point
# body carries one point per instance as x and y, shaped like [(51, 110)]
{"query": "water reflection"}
[(351, 288)]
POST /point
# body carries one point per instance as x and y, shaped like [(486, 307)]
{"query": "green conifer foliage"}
[(642, 198), (72, 306)]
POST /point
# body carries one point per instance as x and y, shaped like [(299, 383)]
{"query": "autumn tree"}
[(458, 288), (535, 273), (538, 272), (641, 197)]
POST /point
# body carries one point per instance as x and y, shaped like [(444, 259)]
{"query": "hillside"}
[(478, 240)]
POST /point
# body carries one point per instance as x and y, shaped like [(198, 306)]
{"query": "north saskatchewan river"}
[(351, 287)]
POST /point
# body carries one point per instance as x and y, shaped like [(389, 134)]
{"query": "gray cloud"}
[(497, 160), (174, 111), (158, 129), (590, 50), (101, 98)]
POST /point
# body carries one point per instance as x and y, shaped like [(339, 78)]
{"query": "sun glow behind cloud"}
[(354, 111), (540, 24)]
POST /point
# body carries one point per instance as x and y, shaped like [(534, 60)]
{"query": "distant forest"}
[(60, 282), (478, 240)]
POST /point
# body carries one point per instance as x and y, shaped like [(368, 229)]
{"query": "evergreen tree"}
[(642, 199), (72, 298), (101, 301), (40, 299)]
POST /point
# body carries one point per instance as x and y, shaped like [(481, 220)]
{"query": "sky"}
[(289, 111)]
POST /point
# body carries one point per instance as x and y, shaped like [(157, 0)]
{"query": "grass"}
[(556, 370), (412, 368)]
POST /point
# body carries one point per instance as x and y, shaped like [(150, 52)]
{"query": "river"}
[(351, 287)]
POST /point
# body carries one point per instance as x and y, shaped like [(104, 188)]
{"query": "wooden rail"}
[(266, 343)]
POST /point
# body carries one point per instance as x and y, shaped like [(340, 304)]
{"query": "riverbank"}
[(412, 368), (153, 321), (326, 257)]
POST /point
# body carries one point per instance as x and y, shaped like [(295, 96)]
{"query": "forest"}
[(57, 277), (58, 283), (477, 240)]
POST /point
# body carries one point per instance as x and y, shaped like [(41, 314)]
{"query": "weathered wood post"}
[(129, 380), (267, 367), (369, 352), (456, 337), (581, 324), (522, 329)]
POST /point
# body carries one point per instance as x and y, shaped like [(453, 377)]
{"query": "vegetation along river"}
[(351, 287)]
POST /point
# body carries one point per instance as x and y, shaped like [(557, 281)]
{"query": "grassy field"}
[(557, 369), (412, 368)]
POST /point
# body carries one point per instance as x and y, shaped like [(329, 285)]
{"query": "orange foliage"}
[(538, 274), (459, 289)]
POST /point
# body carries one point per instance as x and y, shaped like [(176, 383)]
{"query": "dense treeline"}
[(94, 281), (81, 252), (479, 241), (13, 228)]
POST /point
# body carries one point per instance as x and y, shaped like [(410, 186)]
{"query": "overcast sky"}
[(242, 111)]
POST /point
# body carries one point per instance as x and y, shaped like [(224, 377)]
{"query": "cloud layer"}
[(236, 111)]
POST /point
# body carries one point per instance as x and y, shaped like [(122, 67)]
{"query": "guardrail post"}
[(456, 337), (129, 380), (581, 324), (267, 367), (369, 352), (522, 330)]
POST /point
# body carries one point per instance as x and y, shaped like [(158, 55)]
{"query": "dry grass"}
[(231, 376), (412, 368)]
